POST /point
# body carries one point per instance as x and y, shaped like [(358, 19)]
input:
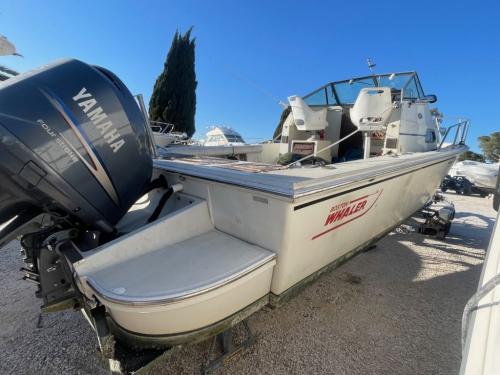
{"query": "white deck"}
[(296, 182), (181, 270)]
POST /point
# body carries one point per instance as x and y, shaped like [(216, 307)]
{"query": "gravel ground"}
[(394, 309)]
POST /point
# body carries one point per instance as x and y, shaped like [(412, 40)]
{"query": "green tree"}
[(437, 114), (490, 145), (174, 95), (470, 155)]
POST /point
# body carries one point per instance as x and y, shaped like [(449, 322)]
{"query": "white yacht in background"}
[(221, 142), (178, 249), (223, 136)]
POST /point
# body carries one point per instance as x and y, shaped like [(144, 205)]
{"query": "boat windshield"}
[(234, 138), (346, 92)]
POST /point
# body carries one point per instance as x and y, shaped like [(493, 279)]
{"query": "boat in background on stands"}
[(164, 134), (162, 251), (482, 175), (462, 185)]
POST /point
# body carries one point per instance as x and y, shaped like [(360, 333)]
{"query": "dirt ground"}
[(394, 309)]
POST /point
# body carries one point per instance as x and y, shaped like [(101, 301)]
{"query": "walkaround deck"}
[(297, 182)]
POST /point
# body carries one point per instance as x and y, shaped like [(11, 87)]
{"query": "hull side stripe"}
[(304, 205)]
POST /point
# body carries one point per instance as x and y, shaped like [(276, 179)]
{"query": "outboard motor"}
[(75, 154), (72, 141)]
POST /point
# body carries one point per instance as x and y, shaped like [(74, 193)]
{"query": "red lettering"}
[(360, 206), (336, 216), (342, 213), (331, 218)]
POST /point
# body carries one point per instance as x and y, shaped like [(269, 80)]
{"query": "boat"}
[(223, 136), (220, 142), (481, 317), (7, 48), (482, 175), (164, 251), (164, 134)]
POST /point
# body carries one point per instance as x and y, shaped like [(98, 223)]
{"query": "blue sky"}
[(249, 55)]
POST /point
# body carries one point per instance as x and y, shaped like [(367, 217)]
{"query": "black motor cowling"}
[(72, 139)]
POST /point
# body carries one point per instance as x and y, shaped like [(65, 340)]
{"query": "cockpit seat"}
[(306, 118), (372, 108)]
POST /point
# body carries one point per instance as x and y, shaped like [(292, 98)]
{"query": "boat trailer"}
[(125, 360), (438, 214)]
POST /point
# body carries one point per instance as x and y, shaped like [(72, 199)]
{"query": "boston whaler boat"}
[(173, 250)]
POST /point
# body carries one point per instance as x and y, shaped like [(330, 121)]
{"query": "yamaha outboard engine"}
[(72, 140), (75, 154)]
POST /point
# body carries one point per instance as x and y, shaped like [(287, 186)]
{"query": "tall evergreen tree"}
[(174, 94), (490, 145)]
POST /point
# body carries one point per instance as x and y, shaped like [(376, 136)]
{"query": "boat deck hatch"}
[(191, 267)]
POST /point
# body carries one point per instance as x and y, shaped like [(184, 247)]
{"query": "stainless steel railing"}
[(165, 127), (461, 130)]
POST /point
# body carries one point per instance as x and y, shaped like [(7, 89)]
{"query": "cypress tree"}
[(174, 94)]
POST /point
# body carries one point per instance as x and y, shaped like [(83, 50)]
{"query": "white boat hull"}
[(292, 238), (163, 139), (195, 312), (295, 230)]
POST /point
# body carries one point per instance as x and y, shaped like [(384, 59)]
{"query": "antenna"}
[(371, 65)]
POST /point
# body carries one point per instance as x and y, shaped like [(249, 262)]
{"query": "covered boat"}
[(482, 175)]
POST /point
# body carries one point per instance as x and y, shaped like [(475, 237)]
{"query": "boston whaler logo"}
[(99, 118), (345, 212)]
